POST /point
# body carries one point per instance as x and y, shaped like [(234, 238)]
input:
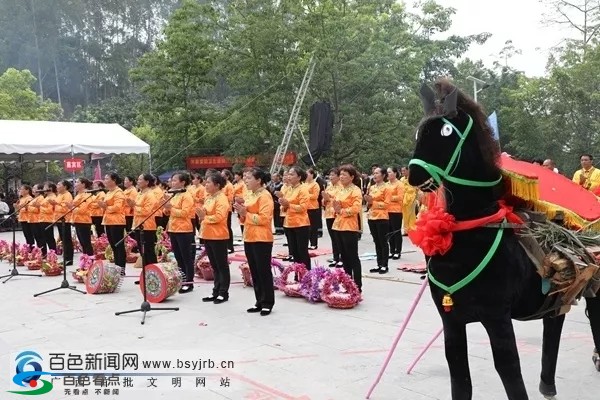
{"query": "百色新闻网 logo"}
[(29, 371)]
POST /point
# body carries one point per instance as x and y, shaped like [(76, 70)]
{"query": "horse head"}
[(454, 145)]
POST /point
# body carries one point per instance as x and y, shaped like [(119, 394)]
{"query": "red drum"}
[(103, 278), (162, 280)]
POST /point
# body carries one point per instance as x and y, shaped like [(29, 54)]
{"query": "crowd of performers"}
[(202, 205)]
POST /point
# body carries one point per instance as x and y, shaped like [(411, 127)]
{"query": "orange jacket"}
[(130, 193), (198, 193), (82, 213), (214, 224), (95, 209), (313, 195), (328, 204), (239, 189), (297, 211), (397, 196), (229, 192), (46, 210), (62, 206), (181, 213), (259, 216), (159, 195), (145, 203), (115, 203), (381, 195), (351, 202), (33, 209), (284, 189), (23, 212)]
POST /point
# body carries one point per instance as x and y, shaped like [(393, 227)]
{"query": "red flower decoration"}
[(433, 232)]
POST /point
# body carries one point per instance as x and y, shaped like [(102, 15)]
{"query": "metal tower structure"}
[(293, 121)]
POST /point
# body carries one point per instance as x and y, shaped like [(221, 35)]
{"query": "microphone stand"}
[(145, 307), (15, 272), (65, 283)]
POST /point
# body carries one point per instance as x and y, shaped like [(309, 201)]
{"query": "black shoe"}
[(136, 282), (383, 270), (548, 391), (339, 264), (265, 311), (596, 360), (313, 247), (253, 310), (333, 264), (220, 299), (186, 289), (396, 256), (208, 299), (375, 270), (231, 251), (69, 263)]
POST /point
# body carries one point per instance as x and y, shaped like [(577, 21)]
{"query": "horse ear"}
[(427, 98), (450, 102)]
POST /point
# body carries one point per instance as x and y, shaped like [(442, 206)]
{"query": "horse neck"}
[(467, 202)]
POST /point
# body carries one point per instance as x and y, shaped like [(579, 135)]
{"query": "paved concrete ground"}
[(301, 351)]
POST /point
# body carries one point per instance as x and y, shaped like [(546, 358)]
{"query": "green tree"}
[(19, 101)]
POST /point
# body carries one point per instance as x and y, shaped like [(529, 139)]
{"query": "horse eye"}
[(446, 130)]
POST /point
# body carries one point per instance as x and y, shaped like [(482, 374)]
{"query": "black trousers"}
[(67, 240), (259, 261), (84, 235), (314, 217), (184, 248), (115, 233), (335, 246), (379, 229), (97, 222), (277, 219), (230, 240), (593, 313), (217, 255), (298, 244), (128, 222), (396, 238), (28, 233), (349, 248), (148, 252), (196, 223), (39, 234)]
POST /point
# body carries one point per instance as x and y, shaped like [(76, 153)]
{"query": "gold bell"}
[(447, 303)]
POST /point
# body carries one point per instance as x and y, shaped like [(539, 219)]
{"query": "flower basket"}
[(292, 288), (204, 269), (138, 263), (246, 275), (311, 285), (33, 265), (51, 269), (108, 254), (100, 256), (20, 261), (79, 275), (278, 268), (132, 258), (340, 291)]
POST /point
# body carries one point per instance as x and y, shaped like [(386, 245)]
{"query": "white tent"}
[(45, 140)]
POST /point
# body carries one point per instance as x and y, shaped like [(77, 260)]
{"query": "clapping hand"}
[(241, 209)]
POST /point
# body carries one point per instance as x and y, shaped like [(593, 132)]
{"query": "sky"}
[(516, 20)]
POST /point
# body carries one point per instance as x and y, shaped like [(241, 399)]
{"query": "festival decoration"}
[(162, 280), (340, 291), (130, 243), (163, 245), (103, 278), (22, 254), (292, 288), (34, 259), (85, 263), (100, 245), (246, 275), (51, 266), (311, 285)]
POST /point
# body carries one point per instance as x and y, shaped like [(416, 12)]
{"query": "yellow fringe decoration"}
[(572, 220), (522, 187)]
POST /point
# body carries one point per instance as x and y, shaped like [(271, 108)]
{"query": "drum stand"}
[(14, 272), (65, 283), (145, 307)]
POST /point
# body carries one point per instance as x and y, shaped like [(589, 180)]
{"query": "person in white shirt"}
[(548, 163), (4, 209)]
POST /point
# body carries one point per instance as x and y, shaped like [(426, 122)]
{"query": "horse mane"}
[(490, 151)]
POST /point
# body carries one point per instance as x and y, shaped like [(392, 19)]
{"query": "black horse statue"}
[(485, 276)]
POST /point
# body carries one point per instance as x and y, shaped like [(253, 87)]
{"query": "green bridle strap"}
[(469, 278), (438, 174)]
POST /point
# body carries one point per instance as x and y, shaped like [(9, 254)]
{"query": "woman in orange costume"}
[(46, 218), (229, 192), (26, 195), (130, 192), (143, 206), (347, 205), (96, 212), (295, 205), (180, 228), (378, 200), (114, 218), (215, 234), (61, 208), (328, 197), (395, 211), (82, 219), (257, 214)]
